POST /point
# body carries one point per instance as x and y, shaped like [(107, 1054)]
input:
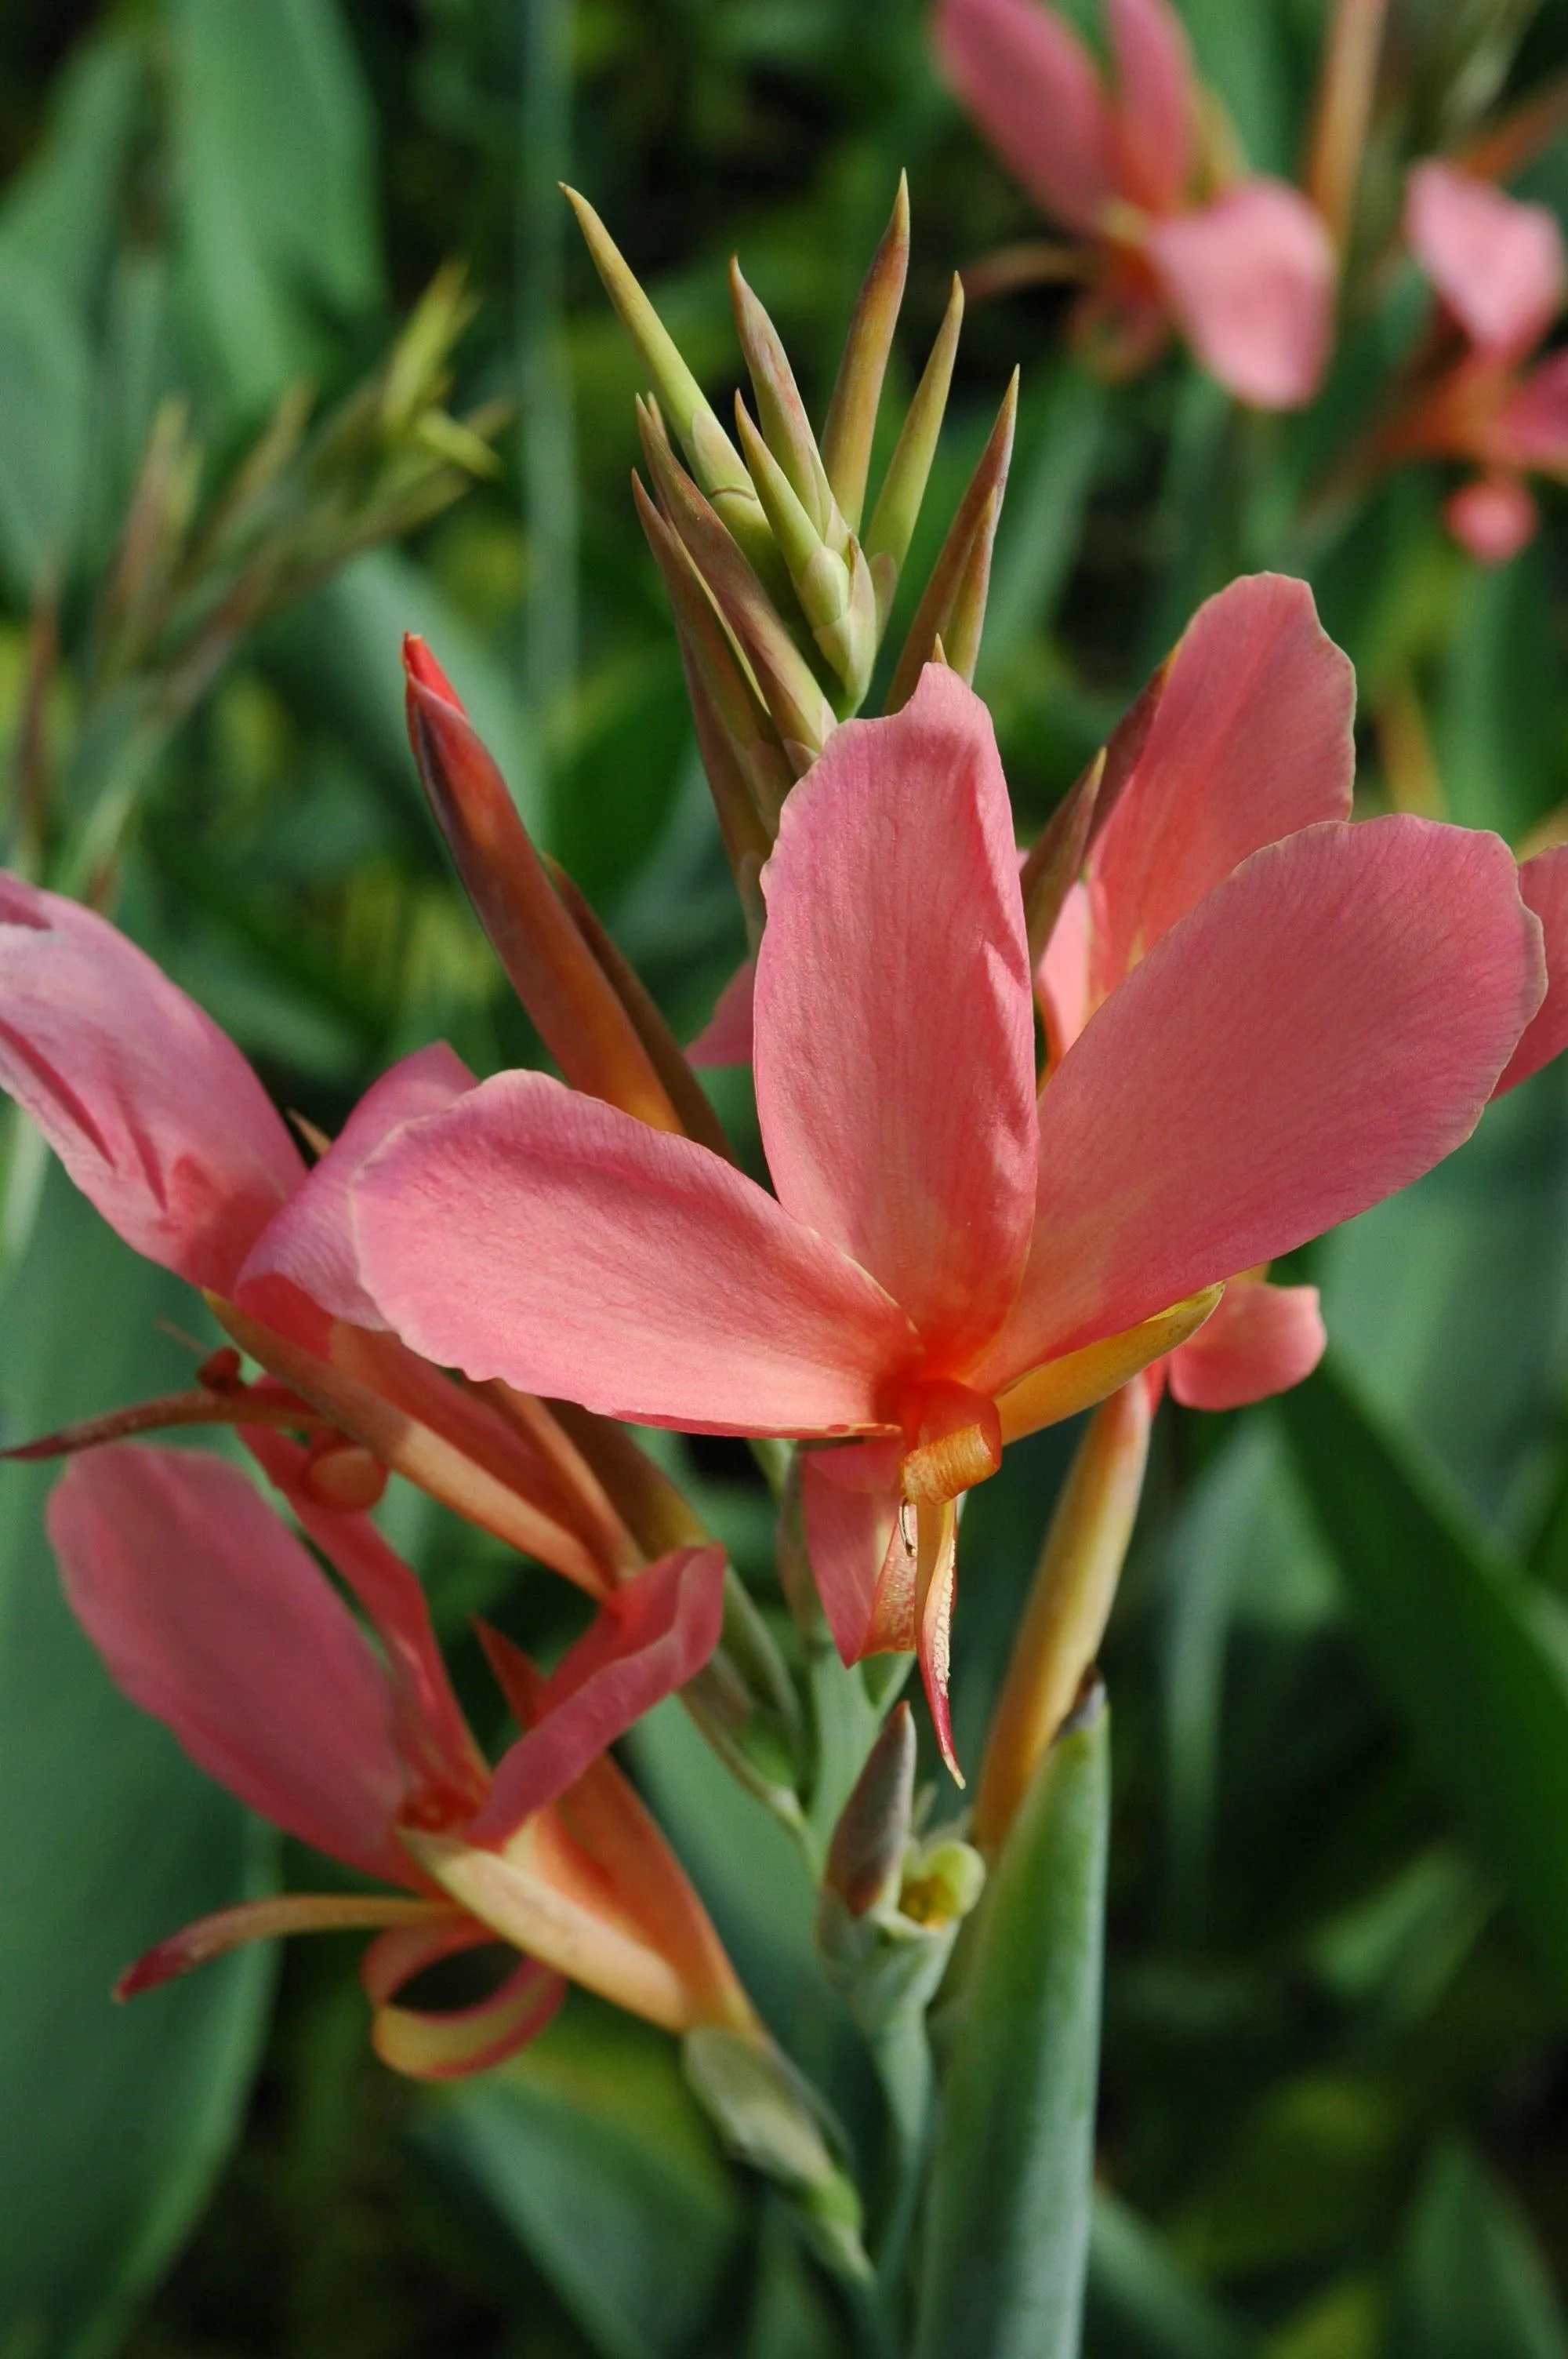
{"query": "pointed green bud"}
[(796, 704), (865, 1859), (967, 618), (771, 2118), (792, 527), (715, 461), (785, 424), (955, 591), (898, 505), (836, 593), (750, 786), (857, 395)]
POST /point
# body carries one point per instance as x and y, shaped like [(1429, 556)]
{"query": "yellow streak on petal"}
[(543, 1900), (1078, 1380)]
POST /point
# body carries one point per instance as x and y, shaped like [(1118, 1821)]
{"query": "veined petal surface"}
[(213, 1617), (1251, 741), (894, 1054), (539, 1235), (1322, 1028), (1261, 1340), (311, 1240), (152, 1109), (1543, 882)]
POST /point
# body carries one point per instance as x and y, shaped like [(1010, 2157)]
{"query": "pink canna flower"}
[(952, 1260), (162, 1123), (212, 1616), (1247, 275), (1500, 270)]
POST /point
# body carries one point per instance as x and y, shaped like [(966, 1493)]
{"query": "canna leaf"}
[(1472, 1657), (1007, 2230)]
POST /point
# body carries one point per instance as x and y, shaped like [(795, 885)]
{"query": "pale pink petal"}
[(656, 1634), (1061, 978), (1250, 283), (1262, 1340), (1324, 1027), (1531, 428), (433, 1736), (1496, 264), (212, 1616), (536, 1234), (1154, 101), (726, 1039), (310, 1243), (152, 1109), (894, 1024), (1034, 88), (1493, 516), (1544, 881), (849, 1533), (1251, 740)]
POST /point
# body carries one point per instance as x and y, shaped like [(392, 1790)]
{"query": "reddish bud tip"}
[(424, 671)]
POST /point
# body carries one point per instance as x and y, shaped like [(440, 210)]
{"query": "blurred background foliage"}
[(1335, 2113)]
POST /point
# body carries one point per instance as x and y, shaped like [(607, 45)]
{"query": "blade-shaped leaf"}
[(1007, 2230), (1472, 1657), (115, 2118)]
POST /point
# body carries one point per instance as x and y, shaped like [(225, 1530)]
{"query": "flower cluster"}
[(1035, 1124)]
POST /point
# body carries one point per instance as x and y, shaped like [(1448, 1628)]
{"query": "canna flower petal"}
[(434, 1737), (1035, 93), (725, 1037), (1152, 109), (428, 2046), (857, 1550), (1250, 281), (1061, 978), (1498, 265), (1251, 739), (538, 1236), (894, 1024), (152, 1109), (1493, 516), (211, 1615), (1543, 882), (310, 1243), (1261, 1340), (1322, 1028), (658, 1632)]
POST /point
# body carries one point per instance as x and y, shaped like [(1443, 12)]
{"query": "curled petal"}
[(1324, 1027), (213, 1617), (1496, 264), (311, 1240), (894, 1026), (1251, 739), (1262, 1340), (1543, 882), (289, 1912), (152, 1109), (428, 2045), (1032, 88), (1153, 104), (536, 1236), (655, 1635), (1250, 281), (726, 1039), (935, 1589)]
